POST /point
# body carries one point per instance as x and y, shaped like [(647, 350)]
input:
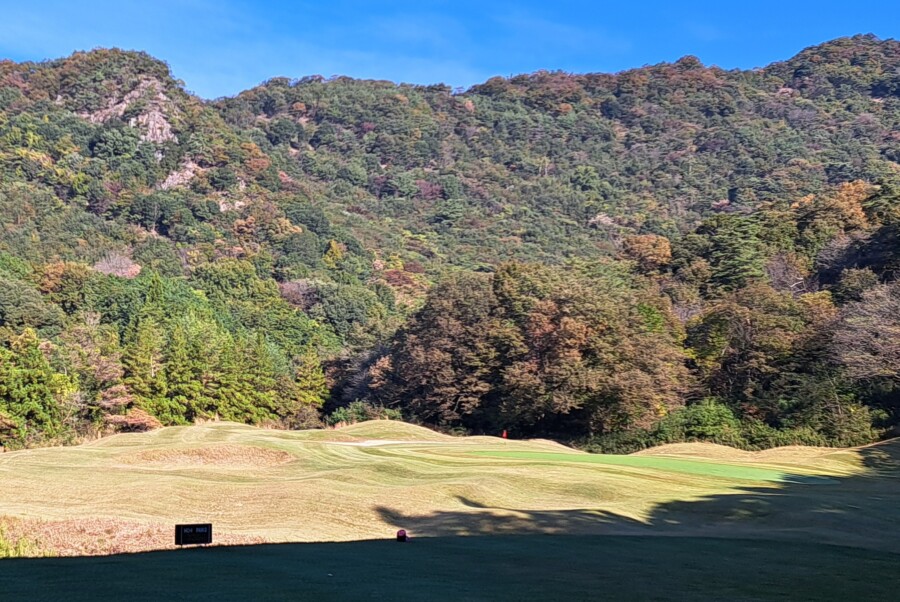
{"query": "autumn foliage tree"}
[(532, 349), (650, 251), (444, 364)]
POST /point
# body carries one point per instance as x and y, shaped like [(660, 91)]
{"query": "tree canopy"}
[(674, 251)]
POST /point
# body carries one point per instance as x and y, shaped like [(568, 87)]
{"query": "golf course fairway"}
[(312, 514)]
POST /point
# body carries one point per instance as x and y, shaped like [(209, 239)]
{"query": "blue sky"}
[(220, 47)]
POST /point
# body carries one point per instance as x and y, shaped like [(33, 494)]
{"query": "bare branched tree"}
[(867, 339), (117, 264)]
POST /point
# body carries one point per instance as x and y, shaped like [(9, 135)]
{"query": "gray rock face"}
[(152, 121)]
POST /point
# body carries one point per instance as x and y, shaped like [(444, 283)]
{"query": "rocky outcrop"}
[(182, 176), (152, 120)]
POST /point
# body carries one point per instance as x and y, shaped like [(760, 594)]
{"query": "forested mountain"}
[(669, 253)]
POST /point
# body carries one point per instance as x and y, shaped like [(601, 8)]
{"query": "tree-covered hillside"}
[(672, 252)]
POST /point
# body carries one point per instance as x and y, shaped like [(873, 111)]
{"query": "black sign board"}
[(187, 535)]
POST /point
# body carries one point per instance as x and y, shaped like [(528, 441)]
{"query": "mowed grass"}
[(515, 568), (711, 522), (676, 465)]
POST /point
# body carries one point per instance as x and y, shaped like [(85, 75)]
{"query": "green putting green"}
[(694, 467)]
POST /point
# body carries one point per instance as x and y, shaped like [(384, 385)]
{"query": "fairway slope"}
[(365, 481), (390, 430), (823, 458)]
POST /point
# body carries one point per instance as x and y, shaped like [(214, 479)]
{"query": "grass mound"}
[(219, 455), (708, 451), (829, 459), (391, 430)]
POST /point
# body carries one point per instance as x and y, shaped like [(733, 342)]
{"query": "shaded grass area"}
[(537, 567)]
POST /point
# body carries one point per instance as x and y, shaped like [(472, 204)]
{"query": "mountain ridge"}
[(574, 220), (159, 67)]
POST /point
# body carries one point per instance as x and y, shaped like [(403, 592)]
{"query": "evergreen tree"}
[(310, 384), (183, 372), (302, 394), (246, 384), (31, 393), (261, 380), (735, 252), (145, 375)]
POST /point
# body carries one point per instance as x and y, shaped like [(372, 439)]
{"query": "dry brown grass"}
[(224, 456), (102, 536)]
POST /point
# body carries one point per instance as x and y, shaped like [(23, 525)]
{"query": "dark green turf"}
[(697, 467), (542, 567)]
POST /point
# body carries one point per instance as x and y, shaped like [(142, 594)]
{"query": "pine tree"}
[(310, 383), (144, 366), (261, 380), (31, 393), (245, 384), (223, 386), (735, 253), (183, 371), (300, 394)]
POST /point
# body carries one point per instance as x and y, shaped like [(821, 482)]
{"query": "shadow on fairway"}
[(859, 511), (759, 543), (815, 514), (509, 521), (512, 567)]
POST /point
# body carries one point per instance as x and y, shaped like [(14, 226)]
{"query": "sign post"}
[(188, 535)]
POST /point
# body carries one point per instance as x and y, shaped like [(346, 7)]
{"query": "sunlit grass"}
[(125, 493)]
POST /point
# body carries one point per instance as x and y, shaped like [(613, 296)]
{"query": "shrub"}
[(359, 411), (708, 420), (758, 435), (306, 416), (621, 442), (18, 547)]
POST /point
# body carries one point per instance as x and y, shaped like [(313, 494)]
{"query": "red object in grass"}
[(401, 535), (504, 433)]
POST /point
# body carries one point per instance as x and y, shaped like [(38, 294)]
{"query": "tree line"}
[(671, 253)]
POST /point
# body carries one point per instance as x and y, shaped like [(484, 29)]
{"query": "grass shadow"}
[(511, 567), (858, 510)]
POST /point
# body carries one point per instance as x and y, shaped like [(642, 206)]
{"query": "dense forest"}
[(676, 252)]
